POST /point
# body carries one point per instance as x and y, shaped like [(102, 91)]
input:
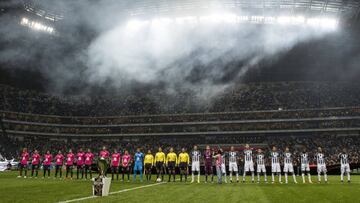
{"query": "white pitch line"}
[(111, 193)]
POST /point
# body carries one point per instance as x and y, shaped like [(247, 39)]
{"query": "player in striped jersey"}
[(159, 163), (260, 165), (171, 162), (233, 167), (275, 164), (305, 168), (321, 164), (195, 164), (184, 161), (148, 164), (288, 165), (249, 164), (345, 167)]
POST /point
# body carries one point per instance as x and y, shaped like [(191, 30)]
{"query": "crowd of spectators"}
[(242, 97)]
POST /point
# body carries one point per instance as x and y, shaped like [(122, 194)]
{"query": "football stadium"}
[(180, 101)]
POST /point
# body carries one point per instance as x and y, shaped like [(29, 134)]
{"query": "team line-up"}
[(214, 164)]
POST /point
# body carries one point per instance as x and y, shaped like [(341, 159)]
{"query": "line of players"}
[(122, 164)]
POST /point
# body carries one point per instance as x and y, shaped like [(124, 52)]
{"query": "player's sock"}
[(134, 176), (348, 177), (230, 176), (206, 178), (141, 175), (192, 177), (279, 177), (342, 177), (252, 176), (309, 176), (237, 177), (294, 178), (325, 177), (181, 177), (265, 177), (272, 177), (319, 177), (258, 177), (303, 177), (198, 179), (286, 178), (244, 177), (174, 176)]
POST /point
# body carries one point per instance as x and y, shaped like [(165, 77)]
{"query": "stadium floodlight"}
[(36, 25)]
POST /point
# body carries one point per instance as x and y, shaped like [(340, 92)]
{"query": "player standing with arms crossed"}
[(305, 167), (345, 166), (138, 165), (47, 163), (233, 167), (159, 164), (184, 161), (321, 164), (149, 163), (195, 164), (126, 162), (80, 163), (275, 164), (59, 161), (115, 163), (249, 164), (260, 165), (24, 162), (171, 161), (208, 160), (35, 162), (88, 161), (69, 163), (288, 165)]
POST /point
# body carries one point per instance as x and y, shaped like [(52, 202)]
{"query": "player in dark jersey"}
[(208, 162)]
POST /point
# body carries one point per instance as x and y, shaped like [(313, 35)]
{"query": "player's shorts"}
[(249, 166), (171, 165), (69, 167), (208, 168), (183, 166), (148, 166), (195, 166), (159, 165), (288, 168), (23, 166), (34, 166), (126, 168), (80, 167), (46, 167), (275, 168), (345, 168), (138, 166), (321, 168), (233, 167), (223, 168), (88, 167), (57, 167), (305, 167), (261, 168), (114, 169)]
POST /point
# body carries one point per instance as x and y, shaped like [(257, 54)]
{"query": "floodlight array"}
[(37, 26)]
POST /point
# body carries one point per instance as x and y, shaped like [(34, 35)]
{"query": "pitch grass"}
[(14, 189)]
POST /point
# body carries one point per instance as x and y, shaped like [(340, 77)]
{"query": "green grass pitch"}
[(14, 189)]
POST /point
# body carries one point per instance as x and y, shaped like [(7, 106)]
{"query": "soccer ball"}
[(158, 180)]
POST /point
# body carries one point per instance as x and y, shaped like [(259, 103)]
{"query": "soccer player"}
[(69, 163), (171, 161), (138, 164), (275, 164), (249, 164), (233, 167), (105, 155), (321, 165), (223, 165), (149, 163), (159, 163), (195, 164), (47, 163), (260, 165), (125, 163), (305, 167), (345, 167), (218, 162), (24, 162), (88, 161), (288, 165), (208, 160), (115, 163), (59, 161), (80, 163), (35, 162), (184, 161)]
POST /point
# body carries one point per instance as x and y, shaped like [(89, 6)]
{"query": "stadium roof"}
[(340, 8)]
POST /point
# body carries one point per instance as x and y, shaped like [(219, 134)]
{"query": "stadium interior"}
[(179, 73)]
